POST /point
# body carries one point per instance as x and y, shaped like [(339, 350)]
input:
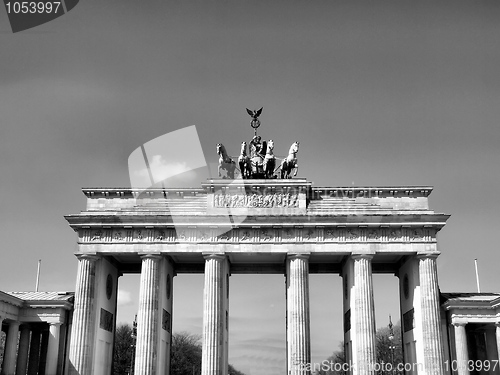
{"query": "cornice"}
[(121, 219), (221, 185)]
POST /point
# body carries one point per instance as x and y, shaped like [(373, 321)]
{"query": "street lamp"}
[(392, 347)]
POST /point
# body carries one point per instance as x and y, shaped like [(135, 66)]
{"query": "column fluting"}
[(53, 349), (364, 314), (82, 333), (9, 361), (22, 355), (497, 332), (432, 336), (461, 349), (147, 317), (213, 316), (298, 316)]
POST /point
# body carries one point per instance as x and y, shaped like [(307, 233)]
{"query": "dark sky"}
[(378, 93)]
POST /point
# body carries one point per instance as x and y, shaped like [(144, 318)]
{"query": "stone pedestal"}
[(53, 349), (432, 338), (298, 330), (215, 315), (364, 315), (82, 333), (461, 349), (9, 361), (147, 318), (22, 355)]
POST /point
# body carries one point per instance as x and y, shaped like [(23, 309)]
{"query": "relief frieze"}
[(259, 235), (97, 236), (204, 236), (245, 235), (331, 234), (351, 234), (395, 234), (256, 200), (224, 237), (267, 235), (118, 236), (309, 235), (288, 234)]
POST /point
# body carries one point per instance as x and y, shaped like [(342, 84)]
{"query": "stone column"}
[(432, 338), (42, 363), (364, 315), (298, 331), (497, 331), (22, 355), (9, 360), (213, 349), (461, 349), (34, 358), (147, 317), (82, 332), (53, 349)]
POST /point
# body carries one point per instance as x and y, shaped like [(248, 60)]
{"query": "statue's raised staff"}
[(225, 162), (290, 162), (255, 123)]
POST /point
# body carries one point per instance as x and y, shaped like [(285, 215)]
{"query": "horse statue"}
[(225, 162), (244, 162), (269, 160), (290, 162)]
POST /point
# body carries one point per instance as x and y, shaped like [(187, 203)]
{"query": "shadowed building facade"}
[(37, 327)]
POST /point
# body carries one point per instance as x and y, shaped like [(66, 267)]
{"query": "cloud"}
[(162, 168), (124, 298)]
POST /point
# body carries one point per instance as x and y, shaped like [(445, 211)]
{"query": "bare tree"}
[(124, 350)]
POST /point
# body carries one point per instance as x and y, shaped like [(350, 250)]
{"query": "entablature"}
[(259, 234)]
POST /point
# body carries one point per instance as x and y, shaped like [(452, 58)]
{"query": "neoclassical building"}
[(36, 327), (227, 227), (253, 226)]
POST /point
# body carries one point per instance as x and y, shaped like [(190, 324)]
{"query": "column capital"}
[(91, 257), (298, 255), (357, 256), (497, 324), (219, 256), (459, 324), (150, 256), (426, 255)]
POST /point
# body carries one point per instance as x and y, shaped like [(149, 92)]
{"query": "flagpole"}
[(38, 275), (477, 276)]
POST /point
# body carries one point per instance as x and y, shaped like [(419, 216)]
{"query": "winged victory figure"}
[(255, 114)]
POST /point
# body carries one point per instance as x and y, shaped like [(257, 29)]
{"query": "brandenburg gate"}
[(289, 227), (255, 224)]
